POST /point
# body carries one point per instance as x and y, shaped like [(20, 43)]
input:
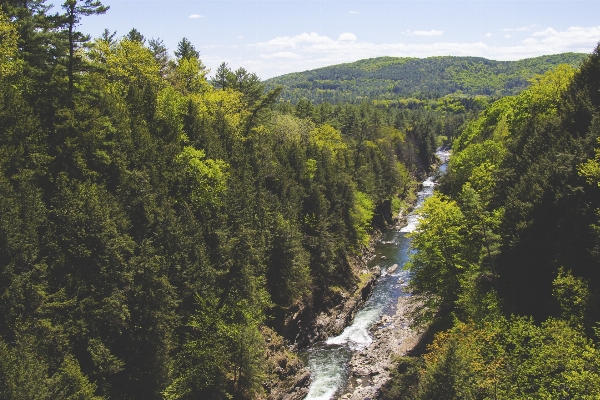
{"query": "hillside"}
[(506, 253), (157, 232), (433, 77)]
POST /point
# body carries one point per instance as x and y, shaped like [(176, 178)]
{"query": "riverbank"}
[(316, 319), (311, 321), (393, 336), (364, 352)]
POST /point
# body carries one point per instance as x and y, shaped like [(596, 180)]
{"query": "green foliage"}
[(517, 217), (135, 36), (504, 161), (327, 137), (189, 76), (573, 296), (591, 168), (392, 78), (405, 377), (152, 224), (186, 50), (440, 259), (511, 358), (206, 179), (24, 375), (8, 46), (361, 216)]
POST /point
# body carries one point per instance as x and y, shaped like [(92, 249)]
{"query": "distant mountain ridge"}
[(400, 77)]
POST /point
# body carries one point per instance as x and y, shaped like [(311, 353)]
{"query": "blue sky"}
[(276, 37)]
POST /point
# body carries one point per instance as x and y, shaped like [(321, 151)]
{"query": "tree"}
[(135, 36), (158, 48), (75, 9), (8, 46), (108, 37), (304, 108), (222, 77), (248, 83), (439, 259), (186, 50)]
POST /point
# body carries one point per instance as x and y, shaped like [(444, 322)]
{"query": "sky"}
[(276, 37)]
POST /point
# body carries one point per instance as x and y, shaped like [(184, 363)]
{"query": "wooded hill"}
[(154, 225), (507, 252), (387, 78)]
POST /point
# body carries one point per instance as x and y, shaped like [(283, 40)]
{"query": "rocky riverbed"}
[(290, 377), (370, 368), (305, 325), (358, 362)]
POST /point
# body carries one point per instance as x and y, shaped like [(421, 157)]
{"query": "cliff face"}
[(310, 322)]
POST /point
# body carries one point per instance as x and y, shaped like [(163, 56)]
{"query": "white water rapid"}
[(327, 360)]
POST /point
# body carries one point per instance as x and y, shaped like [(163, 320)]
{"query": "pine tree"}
[(74, 10), (186, 50), (135, 36)]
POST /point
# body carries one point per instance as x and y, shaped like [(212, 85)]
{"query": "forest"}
[(397, 79), (157, 224), (507, 252)]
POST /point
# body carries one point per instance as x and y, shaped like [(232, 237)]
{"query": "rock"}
[(374, 364), (303, 380), (310, 321), (383, 257)]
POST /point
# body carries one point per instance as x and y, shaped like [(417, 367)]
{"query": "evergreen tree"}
[(135, 36), (108, 37), (74, 11), (158, 48), (186, 50), (222, 77)]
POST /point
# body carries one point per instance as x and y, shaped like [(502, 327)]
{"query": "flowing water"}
[(328, 360)]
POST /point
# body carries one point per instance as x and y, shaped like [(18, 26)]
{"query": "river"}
[(328, 360)]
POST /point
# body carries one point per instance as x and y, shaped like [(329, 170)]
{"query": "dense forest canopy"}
[(393, 78), (507, 254), (155, 226)]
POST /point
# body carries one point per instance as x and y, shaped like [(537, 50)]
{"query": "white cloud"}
[(506, 36), (432, 32), (312, 50), (194, 16), (547, 32), (521, 29), (347, 37), (353, 12), (574, 38), (282, 42), (240, 37), (281, 54), (488, 35)]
